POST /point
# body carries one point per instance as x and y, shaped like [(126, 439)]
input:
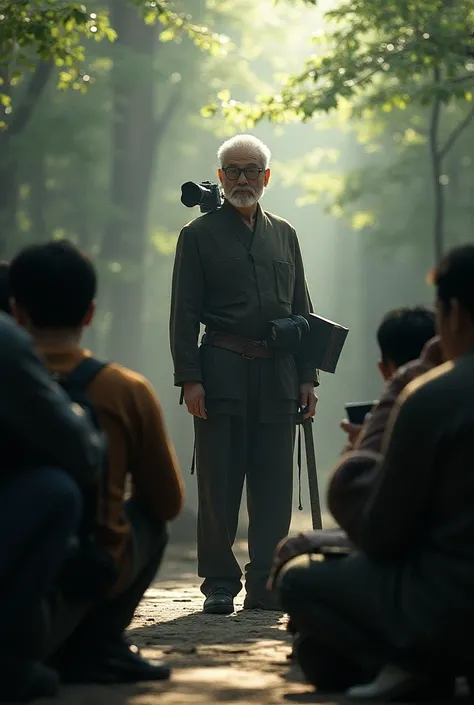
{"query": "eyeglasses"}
[(251, 173)]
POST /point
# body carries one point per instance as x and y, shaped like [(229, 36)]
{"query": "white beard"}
[(245, 199)]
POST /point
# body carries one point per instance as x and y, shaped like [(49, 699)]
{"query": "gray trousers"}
[(230, 449), (354, 614), (335, 601)]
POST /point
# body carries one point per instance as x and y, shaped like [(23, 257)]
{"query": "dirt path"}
[(235, 659)]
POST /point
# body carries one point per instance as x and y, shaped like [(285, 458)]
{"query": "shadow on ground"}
[(239, 658)]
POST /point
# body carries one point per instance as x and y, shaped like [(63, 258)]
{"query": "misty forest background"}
[(106, 110)]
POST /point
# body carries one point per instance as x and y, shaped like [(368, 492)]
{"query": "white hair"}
[(242, 142)]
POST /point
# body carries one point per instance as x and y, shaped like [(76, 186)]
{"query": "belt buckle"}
[(255, 344)]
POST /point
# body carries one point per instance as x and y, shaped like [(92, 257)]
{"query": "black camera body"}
[(206, 195), (317, 340)]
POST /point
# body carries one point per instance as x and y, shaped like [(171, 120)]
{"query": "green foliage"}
[(397, 76), (376, 53), (179, 24), (49, 30), (58, 32), (70, 134)]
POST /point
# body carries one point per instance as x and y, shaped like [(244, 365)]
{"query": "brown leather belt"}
[(248, 348)]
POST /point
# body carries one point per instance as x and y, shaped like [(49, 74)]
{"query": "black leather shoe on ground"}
[(22, 683), (219, 601), (122, 663), (268, 601)]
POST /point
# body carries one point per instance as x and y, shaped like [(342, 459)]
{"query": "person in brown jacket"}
[(53, 287), (399, 610)]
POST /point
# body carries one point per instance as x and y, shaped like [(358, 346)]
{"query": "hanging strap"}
[(83, 374), (75, 383), (193, 461), (300, 465)]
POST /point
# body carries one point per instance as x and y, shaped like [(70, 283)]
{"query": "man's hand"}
[(353, 430), (194, 397), (294, 546), (308, 399), (287, 549), (308, 542)]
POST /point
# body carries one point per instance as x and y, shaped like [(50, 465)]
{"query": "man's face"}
[(243, 189)]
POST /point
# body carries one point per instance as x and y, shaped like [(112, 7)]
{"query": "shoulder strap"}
[(84, 373)]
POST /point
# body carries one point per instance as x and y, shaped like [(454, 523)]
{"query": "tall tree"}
[(390, 55), (34, 37), (137, 130), (42, 39)]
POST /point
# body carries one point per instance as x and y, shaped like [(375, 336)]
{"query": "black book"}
[(324, 343)]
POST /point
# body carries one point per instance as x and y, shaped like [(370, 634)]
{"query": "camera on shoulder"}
[(206, 195)]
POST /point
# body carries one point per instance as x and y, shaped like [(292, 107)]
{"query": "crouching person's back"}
[(53, 287), (49, 451)]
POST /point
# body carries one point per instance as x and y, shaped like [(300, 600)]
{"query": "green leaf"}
[(167, 35), (362, 219), (208, 111)]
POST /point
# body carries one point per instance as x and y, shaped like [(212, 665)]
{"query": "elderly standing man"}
[(236, 269)]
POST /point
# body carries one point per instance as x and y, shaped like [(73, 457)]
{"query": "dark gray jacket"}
[(38, 422), (236, 281)]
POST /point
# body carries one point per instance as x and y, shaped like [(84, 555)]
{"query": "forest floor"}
[(240, 658)]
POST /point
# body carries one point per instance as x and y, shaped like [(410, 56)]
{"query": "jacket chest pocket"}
[(227, 281), (285, 280)]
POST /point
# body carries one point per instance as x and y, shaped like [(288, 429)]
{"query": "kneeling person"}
[(53, 287)]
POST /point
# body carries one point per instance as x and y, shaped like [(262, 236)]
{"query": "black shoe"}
[(219, 601), (268, 601), (24, 682), (117, 663)]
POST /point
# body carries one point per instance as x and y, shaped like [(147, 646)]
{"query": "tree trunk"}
[(9, 202), (133, 148), (8, 173), (38, 195), (25, 101), (436, 164)]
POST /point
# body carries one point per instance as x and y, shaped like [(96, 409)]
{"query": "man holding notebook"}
[(237, 269)]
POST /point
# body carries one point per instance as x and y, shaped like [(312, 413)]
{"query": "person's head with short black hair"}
[(402, 335), (53, 287), (4, 290), (454, 281)]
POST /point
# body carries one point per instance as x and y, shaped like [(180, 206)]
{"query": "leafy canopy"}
[(48, 30), (375, 53), (56, 32)]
